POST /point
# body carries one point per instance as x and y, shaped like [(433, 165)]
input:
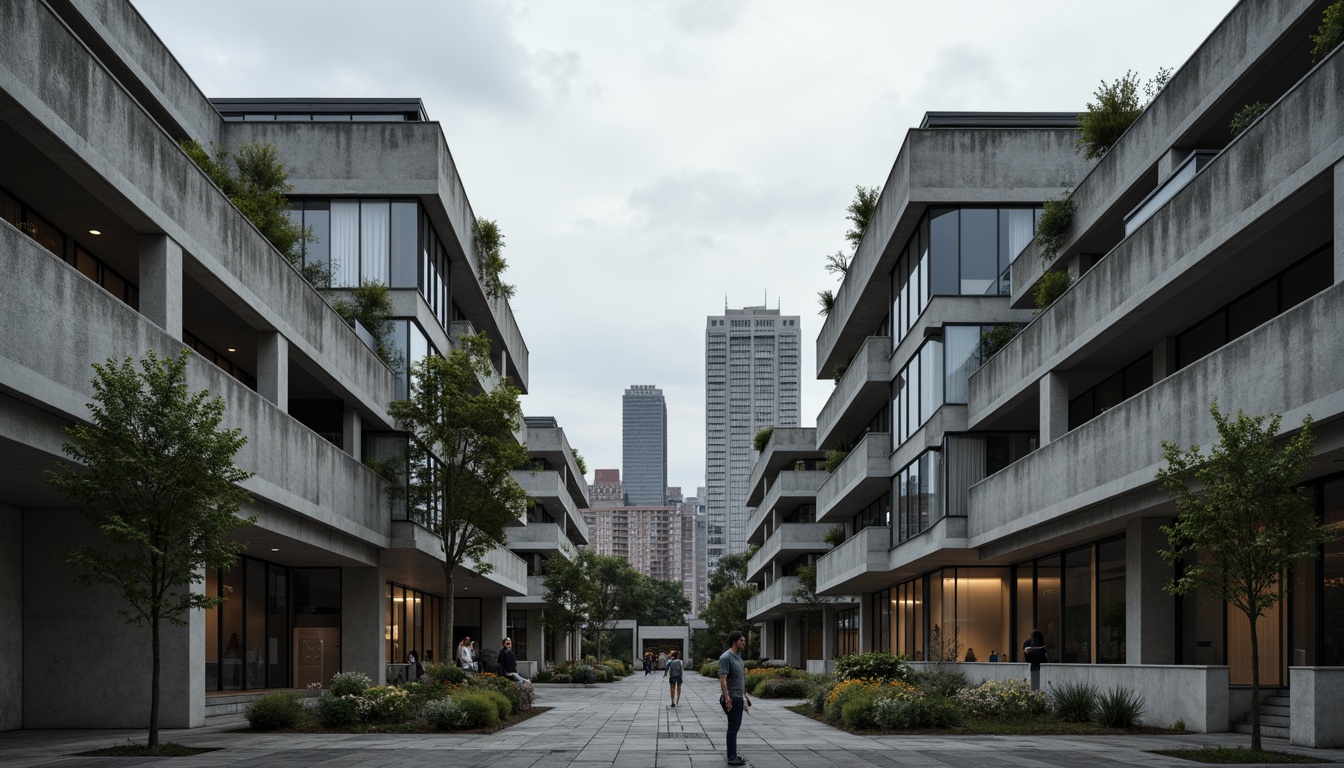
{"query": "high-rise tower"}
[(644, 445), (751, 382)]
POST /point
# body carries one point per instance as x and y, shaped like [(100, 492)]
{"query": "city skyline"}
[(658, 157)]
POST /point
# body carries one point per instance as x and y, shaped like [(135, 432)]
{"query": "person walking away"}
[(508, 663), (733, 691), (673, 674), (1033, 652), (648, 664), (662, 660)]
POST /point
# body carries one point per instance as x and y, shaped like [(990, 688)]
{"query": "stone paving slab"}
[(627, 724)]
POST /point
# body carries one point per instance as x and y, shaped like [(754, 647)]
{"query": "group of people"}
[(466, 658)]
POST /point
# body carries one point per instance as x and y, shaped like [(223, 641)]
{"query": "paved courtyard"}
[(625, 725)]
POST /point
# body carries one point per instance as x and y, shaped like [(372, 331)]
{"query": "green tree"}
[(731, 571), (826, 300), (461, 457), (1117, 107), (371, 305), (861, 210), (489, 243), (729, 592), (1330, 32), (153, 472), (660, 602), (566, 596), (613, 590), (1243, 519), (762, 438), (257, 184)]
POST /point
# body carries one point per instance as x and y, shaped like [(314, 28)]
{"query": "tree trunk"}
[(154, 683), (446, 645), (1255, 686)]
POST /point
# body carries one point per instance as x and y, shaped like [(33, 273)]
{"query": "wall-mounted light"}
[(275, 549), (233, 349), (94, 232)]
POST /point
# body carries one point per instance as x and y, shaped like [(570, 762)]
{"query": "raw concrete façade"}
[(989, 487), (114, 243)]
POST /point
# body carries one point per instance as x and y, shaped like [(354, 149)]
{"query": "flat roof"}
[(322, 106), (1000, 120)]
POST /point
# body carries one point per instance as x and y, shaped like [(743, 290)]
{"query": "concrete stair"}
[(233, 705), (1275, 707)]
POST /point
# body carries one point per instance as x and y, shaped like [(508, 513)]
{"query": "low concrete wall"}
[(1317, 701), (1194, 695)]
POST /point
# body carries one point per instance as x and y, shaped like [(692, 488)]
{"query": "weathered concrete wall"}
[(11, 618), (851, 486), (857, 565), (1292, 148), (87, 668), (58, 323), (90, 125), (363, 618), (940, 167), (119, 36), (862, 391), (1199, 87), (1289, 365), (1317, 700), (1195, 695)]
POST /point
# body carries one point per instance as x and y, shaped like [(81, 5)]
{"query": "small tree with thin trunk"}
[(461, 456), (154, 473), (613, 584), (566, 597), (1243, 520)]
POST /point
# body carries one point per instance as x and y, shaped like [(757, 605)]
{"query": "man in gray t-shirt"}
[(733, 688)]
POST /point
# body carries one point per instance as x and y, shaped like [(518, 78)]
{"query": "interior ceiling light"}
[(233, 349), (94, 232), (275, 549)]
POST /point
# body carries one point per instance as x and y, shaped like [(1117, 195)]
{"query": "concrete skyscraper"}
[(751, 381), (644, 445)]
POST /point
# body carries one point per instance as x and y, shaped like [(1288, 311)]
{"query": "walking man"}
[(733, 687)]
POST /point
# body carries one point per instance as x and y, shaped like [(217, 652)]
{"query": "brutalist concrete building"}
[(114, 243), (984, 495)]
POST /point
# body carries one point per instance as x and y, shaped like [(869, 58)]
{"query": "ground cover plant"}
[(445, 699)]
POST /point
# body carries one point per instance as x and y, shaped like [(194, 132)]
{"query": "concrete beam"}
[(352, 433), (1149, 612), (161, 282)]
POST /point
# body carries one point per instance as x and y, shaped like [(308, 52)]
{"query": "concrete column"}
[(1164, 358), (11, 617), (536, 638), (273, 368), (493, 615), (793, 640), (161, 282), (1339, 222), (352, 433), (866, 622), (363, 622), (828, 635), (1150, 613), (1170, 161), (1054, 395)]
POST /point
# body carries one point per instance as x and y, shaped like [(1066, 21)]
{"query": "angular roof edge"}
[(1000, 120)]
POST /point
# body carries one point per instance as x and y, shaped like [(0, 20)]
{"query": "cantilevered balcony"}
[(862, 477), (858, 565), (535, 597), (549, 489), (773, 601), (787, 542), (861, 392), (786, 446), (546, 538), (790, 490)]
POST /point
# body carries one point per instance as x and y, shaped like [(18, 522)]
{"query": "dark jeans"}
[(734, 723)]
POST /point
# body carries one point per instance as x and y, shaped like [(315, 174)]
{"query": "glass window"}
[(1111, 602), (1201, 340), (1332, 579), (931, 379), (317, 217), (1077, 607), (1048, 604), (1308, 278), (405, 243), (979, 251), (943, 226), (375, 238), (1025, 608), (962, 358), (344, 243), (1253, 310), (1016, 228)]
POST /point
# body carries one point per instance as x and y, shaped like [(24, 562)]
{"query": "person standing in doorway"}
[(733, 691), (673, 674)]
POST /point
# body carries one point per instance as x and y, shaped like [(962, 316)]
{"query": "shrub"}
[(1051, 287), (896, 712), (1119, 708), (1245, 116), (1053, 228), (1074, 702), (762, 438), (857, 711), (1330, 33), (275, 710), (835, 535), (340, 711), (583, 674), (1003, 698), (941, 682), (782, 688), (446, 674), (546, 676), (1116, 108), (846, 690), (506, 688), (444, 714), (834, 458), (478, 709), (819, 697), (618, 666), (873, 666), (710, 669), (751, 664), (503, 705), (997, 338), (388, 703), (349, 683)]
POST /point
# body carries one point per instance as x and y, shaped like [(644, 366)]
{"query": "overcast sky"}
[(648, 161)]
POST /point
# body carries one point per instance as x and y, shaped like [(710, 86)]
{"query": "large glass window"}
[(917, 392), (917, 496), (1332, 579), (847, 632), (412, 624), (1111, 602), (1115, 389), (1077, 606)]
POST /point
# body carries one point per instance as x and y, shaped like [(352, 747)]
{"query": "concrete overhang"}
[(416, 560), (551, 444), (788, 542), (773, 601), (862, 391), (786, 446), (857, 566), (789, 490), (942, 544), (940, 166), (862, 477)]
